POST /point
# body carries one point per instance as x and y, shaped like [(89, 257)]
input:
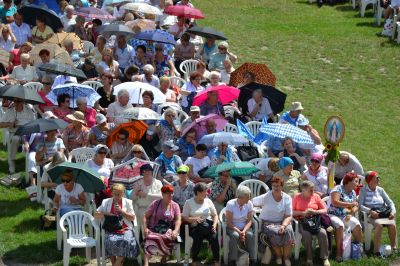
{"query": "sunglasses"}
[(102, 152), (122, 139), (67, 181), (159, 49), (46, 83), (181, 173), (221, 48), (137, 151), (315, 161)]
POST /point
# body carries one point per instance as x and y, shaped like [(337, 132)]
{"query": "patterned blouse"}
[(75, 139), (165, 131), (345, 197), (216, 190), (181, 194)]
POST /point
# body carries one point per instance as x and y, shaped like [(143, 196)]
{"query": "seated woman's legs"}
[(355, 227), (213, 240), (337, 223), (198, 238), (392, 229), (377, 237), (306, 239), (250, 245), (233, 245)]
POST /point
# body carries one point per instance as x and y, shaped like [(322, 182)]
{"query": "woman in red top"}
[(306, 204), (15, 55)]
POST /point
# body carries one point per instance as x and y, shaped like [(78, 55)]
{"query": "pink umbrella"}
[(200, 124), (184, 11), (226, 94)]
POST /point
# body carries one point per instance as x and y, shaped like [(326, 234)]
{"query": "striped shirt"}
[(374, 199)]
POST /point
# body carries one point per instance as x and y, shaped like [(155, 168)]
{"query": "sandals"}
[(11, 180)]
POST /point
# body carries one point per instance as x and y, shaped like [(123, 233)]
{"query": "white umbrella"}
[(142, 8), (136, 90), (225, 137), (140, 113)]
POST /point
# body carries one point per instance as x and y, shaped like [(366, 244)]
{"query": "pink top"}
[(300, 203), (62, 114), (90, 117), (47, 102), (158, 212)]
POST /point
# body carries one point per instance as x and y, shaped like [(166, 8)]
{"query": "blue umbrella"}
[(225, 137), (244, 130), (282, 131), (156, 36), (136, 42), (74, 90)]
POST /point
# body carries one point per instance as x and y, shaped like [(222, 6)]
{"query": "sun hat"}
[(224, 44), (48, 115), (169, 146), (183, 168), (100, 119), (194, 108), (317, 157), (303, 121), (167, 189), (296, 106), (77, 116), (285, 161), (99, 147)]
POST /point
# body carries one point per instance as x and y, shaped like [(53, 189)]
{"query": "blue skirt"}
[(121, 245)]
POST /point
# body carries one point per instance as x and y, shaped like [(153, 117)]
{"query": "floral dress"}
[(162, 67), (75, 139)]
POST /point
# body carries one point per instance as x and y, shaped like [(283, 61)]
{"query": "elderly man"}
[(217, 59), (115, 109), (79, 28), (7, 11), (21, 30), (194, 114), (148, 76), (347, 163), (121, 147), (258, 107), (24, 73), (124, 53), (168, 161), (14, 117), (293, 115), (73, 53), (69, 18)]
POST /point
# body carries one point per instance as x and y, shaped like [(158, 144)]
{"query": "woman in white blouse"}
[(198, 162), (100, 163)]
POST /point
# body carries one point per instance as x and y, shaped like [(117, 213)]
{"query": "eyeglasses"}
[(159, 49), (181, 173), (221, 48), (171, 116)]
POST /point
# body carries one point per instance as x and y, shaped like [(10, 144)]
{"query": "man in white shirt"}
[(115, 109), (124, 53), (21, 30), (24, 73), (148, 76), (259, 107), (69, 18), (14, 117)]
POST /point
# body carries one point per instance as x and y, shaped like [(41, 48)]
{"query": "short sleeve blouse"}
[(159, 212)]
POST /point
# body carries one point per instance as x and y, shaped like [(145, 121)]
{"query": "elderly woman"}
[(183, 187), (223, 154), (293, 115), (138, 152), (148, 98), (258, 107), (290, 176), (41, 32), (25, 72), (106, 93), (307, 204), (268, 167), (119, 244), (212, 105), (342, 210), (187, 144), (64, 101), (163, 64), (215, 78), (7, 39), (217, 59), (227, 71), (89, 112), (190, 89), (166, 129), (15, 55), (149, 77), (202, 69), (165, 85), (168, 161), (145, 191), (199, 212), (47, 80), (76, 135), (374, 200), (161, 224), (108, 64), (197, 163), (115, 109), (46, 181), (239, 220), (99, 163), (223, 189), (69, 195), (99, 133), (206, 50), (276, 216), (290, 150), (317, 174)]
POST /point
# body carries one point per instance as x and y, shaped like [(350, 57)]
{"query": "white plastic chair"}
[(230, 128), (180, 117), (94, 84), (254, 127), (37, 86), (230, 111), (364, 4), (255, 186), (177, 81), (76, 236), (81, 155), (378, 13), (6, 133), (87, 47), (187, 67)]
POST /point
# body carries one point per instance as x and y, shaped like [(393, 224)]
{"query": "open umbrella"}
[(41, 125), (183, 11), (61, 37), (85, 176), (156, 36), (56, 52), (74, 90), (4, 57), (140, 113), (275, 97), (31, 12), (282, 131), (261, 72), (92, 13), (128, 173), (142, 8), (114, 29), (168, 48), (207, 32), (136, 90), (10, 92), (200, 124), (116, 2), (136, 131), (236, 168), (139, 25), (63, 69), (226, 94), (225, 137)]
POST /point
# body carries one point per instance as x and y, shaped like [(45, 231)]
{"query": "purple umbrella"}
[(200, 124)]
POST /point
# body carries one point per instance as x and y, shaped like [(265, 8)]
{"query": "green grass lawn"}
[(330, 59)]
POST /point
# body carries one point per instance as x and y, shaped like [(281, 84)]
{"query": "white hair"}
[(122, 93), (215, 74), (170, 110), (25, 56), (243, 191), (69, 7), (148, 68), (81, 100)]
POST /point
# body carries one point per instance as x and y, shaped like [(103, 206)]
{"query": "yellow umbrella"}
[(60, 38), (56, 52)]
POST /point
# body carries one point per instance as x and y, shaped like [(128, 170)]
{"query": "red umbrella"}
[(226, 94), (184, 11)]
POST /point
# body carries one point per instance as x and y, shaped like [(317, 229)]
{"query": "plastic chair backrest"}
[(254, 127), (188, 66), (177, 81), (36, 86), (94, 84), (76, 221), (255, 186), (230, 128), (81, 155)]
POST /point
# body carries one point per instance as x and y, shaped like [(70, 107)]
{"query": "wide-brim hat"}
[(77, 116), (296, 106)]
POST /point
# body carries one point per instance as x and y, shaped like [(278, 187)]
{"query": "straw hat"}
[(296, 106), (77, 116)]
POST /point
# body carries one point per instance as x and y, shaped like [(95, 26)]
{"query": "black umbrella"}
[(41, 125), (207, 32), (31, 12), (18, 91), (115, 29), (63, 69), (275, 97)]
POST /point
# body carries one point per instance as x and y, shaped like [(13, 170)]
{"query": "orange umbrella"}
[(262, 73), (140, 25), (56, 52), (136, 131)]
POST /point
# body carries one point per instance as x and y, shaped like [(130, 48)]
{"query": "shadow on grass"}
[(19, 165), (29, 225), (13, 208), (371, 24), (42, 252), (345, 8)]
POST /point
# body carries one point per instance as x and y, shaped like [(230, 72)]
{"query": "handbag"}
[(246, 153), (162, 226), (112, 223), (356, 250), (384, 211), (312, 224), (203, 228), (202, 171)]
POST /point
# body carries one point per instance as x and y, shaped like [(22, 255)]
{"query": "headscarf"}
[(285, 161)]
